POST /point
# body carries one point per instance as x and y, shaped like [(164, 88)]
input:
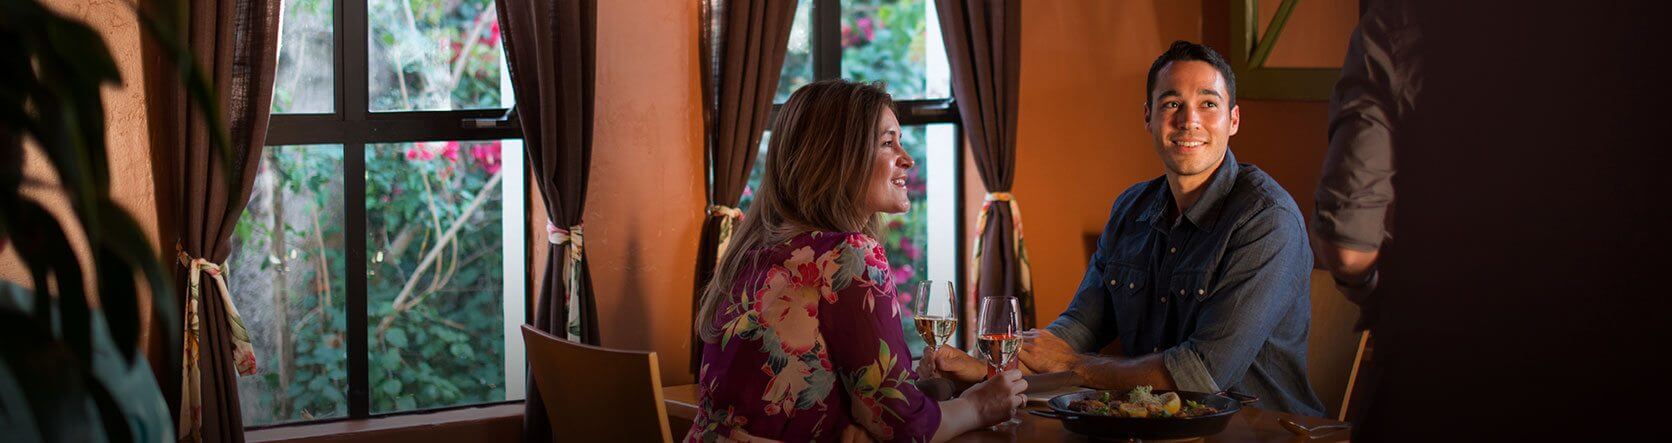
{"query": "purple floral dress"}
[(810, 342)]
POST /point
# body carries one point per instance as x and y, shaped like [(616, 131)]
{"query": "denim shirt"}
[(1221, 294)]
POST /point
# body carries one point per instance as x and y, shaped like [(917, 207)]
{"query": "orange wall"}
[(646, 195), (1081, 133), (130, 156), (1315, 36)]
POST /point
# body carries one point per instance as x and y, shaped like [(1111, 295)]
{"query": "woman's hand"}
[(997, 399)]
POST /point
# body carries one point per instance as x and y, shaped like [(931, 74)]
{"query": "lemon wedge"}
[(1169, 403)]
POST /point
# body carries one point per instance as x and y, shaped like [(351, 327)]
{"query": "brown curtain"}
[(550, 46), (983, 46), (201, 193), (743, 44)]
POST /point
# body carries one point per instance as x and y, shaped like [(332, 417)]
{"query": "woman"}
[(801, 331)]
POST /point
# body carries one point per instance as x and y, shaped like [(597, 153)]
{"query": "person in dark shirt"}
[(1201, 275)]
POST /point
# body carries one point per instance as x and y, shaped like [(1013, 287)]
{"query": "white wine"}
[(1000, 348), (936, 331)]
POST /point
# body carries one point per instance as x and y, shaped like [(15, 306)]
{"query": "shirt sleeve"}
[(1085, 325), (1268, 270), (1356, 187), (867, 346)]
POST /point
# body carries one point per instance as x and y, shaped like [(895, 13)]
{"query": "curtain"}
[(550, 47), (743, 44), (201, 193), (983, 47)]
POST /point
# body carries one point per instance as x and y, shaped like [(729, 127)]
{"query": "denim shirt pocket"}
[(1128, 287), (1190, 286)]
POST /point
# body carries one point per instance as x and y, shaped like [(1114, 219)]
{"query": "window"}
[(899, 43), (379, 265)]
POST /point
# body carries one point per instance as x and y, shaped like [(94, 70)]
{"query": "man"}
[(1201, 275)]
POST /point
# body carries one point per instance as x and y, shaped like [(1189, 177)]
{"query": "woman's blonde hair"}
[(817, 162)]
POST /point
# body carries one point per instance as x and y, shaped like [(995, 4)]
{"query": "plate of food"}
[(1143, 413)]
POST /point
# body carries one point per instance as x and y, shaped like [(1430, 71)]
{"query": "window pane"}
[(798, 58), (897, 42), (430, 55), (435, 274), (286, 274), (303, 82)]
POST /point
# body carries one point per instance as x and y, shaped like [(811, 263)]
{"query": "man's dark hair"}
[(1187, 51)]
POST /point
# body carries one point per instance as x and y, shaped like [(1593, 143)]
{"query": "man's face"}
[(1188, 117)]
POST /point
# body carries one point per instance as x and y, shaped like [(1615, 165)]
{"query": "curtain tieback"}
[(1023, 267), (243, 354), (729, 216), (573, 244)]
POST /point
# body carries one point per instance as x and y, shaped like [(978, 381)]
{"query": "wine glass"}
[(1000, 339), (933, 313)]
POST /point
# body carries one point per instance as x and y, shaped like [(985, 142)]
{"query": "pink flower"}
[(748, 191), (487, 155), (902, 273), (420, 151), (867, 27), (910, 248), (451, 151)]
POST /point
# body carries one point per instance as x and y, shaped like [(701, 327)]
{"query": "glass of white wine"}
[(1000, 339), (932, 313)]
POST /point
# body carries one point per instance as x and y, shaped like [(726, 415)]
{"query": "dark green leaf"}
[(396, 337)]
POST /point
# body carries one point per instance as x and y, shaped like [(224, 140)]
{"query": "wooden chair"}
[(597, 394), (1333, 348)]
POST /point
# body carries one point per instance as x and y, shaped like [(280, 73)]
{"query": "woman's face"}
[(885, 190)]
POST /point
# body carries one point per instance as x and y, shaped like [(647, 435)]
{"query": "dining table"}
[(1250, 424)]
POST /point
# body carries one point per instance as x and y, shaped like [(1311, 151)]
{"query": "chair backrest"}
[(597, 394), (1332, 346)]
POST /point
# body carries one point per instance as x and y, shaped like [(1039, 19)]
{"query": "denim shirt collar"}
[(1205, 213)]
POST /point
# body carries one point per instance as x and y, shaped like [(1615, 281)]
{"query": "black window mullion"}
[(354, 184), (352, 73)]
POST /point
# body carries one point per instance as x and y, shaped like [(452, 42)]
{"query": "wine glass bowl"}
[(1000, 339), (933, 313)]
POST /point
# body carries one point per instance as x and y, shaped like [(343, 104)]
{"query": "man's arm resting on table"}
[(1046, 352), (1109, 372)]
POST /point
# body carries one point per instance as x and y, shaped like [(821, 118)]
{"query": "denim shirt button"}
[(1112, 282), (1131, 285), (1201, 292), (1163, 299)]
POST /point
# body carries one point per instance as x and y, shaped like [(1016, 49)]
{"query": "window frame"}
[(826, 39), (353, 125)]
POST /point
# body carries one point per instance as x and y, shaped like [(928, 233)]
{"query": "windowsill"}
[(501, 422)]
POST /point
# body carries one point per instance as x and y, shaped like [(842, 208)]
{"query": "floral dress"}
[(810, 342)]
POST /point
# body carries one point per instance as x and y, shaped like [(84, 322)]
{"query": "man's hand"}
[(950, 363), (1042, 352)]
